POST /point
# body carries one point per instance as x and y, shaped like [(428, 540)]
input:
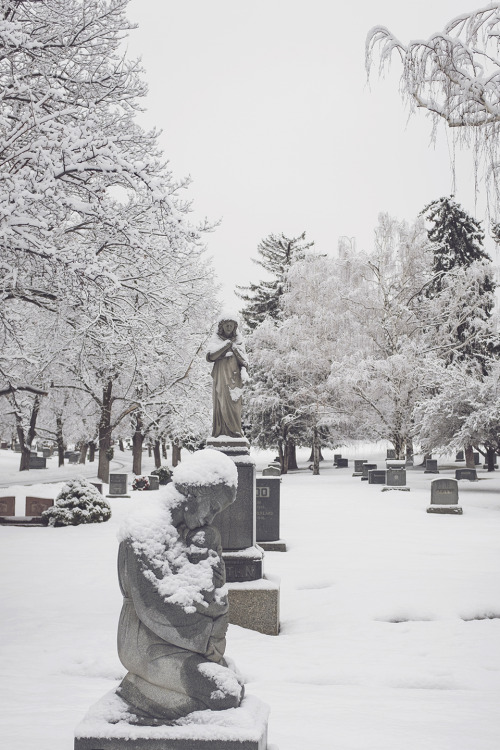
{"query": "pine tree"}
[(262, 300)]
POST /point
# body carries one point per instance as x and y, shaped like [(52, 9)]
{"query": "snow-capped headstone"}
[(396, 480), (271, 471), (118, 485), (444, 497), (366, 468), (154, 482), (358, 466)]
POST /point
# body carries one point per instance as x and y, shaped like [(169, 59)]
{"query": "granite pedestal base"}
[(255, 605), (21, 521), (454, 510), (105, 727), (279, 545)]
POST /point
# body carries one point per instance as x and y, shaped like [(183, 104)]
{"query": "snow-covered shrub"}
[(140, 483), (164, 473), (78, 502)]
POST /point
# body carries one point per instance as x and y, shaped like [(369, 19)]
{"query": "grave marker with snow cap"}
[(396, 480), (358, 466), (172, 629), (444, 497)]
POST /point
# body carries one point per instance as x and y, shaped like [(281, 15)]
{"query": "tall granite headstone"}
[(118, 485), (444, 497)]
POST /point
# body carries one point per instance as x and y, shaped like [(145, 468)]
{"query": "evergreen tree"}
[(262, 300)]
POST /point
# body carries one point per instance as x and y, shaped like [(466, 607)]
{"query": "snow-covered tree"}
[(454, 75), (277, 254)]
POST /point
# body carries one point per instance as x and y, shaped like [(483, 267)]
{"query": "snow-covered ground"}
[(390, 617)]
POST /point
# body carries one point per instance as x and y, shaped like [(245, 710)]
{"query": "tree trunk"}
[(164, 449), (490, 459), (282, 458), (137, 441), (83, 453), (176, 454), (150, 449), (311, 457), (409, 451), (91, 451), (104, 433), (469, 457), (157, 454), (291, 454), (60, 440), (316, 452)]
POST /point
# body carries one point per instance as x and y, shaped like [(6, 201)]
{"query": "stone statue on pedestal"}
[(171, 634), (227, 351)]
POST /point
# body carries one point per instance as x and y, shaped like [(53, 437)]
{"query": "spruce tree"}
[(262, 300)]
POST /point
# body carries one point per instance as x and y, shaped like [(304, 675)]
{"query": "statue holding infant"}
[(172, 629)]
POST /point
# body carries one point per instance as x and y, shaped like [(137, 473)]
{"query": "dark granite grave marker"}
[(46, 452), (97, 485), (376, 476), (460, 456), (118, 485), (267, 508), (4, 446), (17, 447), (336, 457), (7, 506), (271, 471), (36, 505), (154, 482), (470, 474), (444, 497), (391, 453), (37, 462), (477, 459), (342, 463), (366, 468), (73, 458), (396, 480), (358, 466), (431, 466)]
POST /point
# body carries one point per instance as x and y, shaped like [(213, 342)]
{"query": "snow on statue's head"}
[(208, 480), (227, 324)]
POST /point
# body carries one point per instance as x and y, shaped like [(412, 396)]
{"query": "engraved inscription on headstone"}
[(239, 571), (7, 506), (444, 497), (366, 469), (376, 476), (470, 474), (268, 508), (118, 485), (36, 505), (396, 477)]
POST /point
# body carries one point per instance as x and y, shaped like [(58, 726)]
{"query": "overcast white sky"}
[(265, 104)]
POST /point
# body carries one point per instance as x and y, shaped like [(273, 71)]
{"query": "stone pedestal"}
[(105, 727), (255, 605)]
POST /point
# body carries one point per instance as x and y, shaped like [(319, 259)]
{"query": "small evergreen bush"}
[(78, 502), (164, 474)]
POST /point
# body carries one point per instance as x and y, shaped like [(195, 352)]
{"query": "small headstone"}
[(118, 485), (33, 454), (17, 447), (396, 480), (366, 468), (267, 496), (460, 456), (73, 458), (97, 485), (336, 457), (376, 476), (37, 462), (67, 454), (431, 466), (46, 452), (358, 466), (444, 497), (477, 459), (154, 482), (470, 474), (4, 446), (342, 463), (271, 471), (391, 453), (36, 505), (7, 506)]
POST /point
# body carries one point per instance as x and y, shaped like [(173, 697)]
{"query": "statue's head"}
[(227, 325), (207, 480)]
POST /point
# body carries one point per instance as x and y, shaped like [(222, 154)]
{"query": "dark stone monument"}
[(4, 446), (36, 505), (391, 453), (431, 466), (46, 452), (470, 474), (396, 480), (366, 468), (477, 459), (73, 458), (376, 476), (395, 463), (444, 497), (271, 471), (37, 462), (358, 466), (336, 457), (154, 482), (97, 485), (118, 485), (7, 506), (342, 463), (268, 514), (460, 456)]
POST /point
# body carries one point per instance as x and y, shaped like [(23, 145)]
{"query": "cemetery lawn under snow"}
[(390, 617)]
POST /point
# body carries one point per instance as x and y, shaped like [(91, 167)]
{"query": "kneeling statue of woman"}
[(171, 635)]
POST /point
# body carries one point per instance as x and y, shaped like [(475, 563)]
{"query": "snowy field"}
[(390, 617)]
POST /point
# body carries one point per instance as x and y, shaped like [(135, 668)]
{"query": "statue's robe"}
[(227, 388), (162, 646)]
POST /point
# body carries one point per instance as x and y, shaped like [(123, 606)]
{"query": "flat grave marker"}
[(36, 505), (8, 506)]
